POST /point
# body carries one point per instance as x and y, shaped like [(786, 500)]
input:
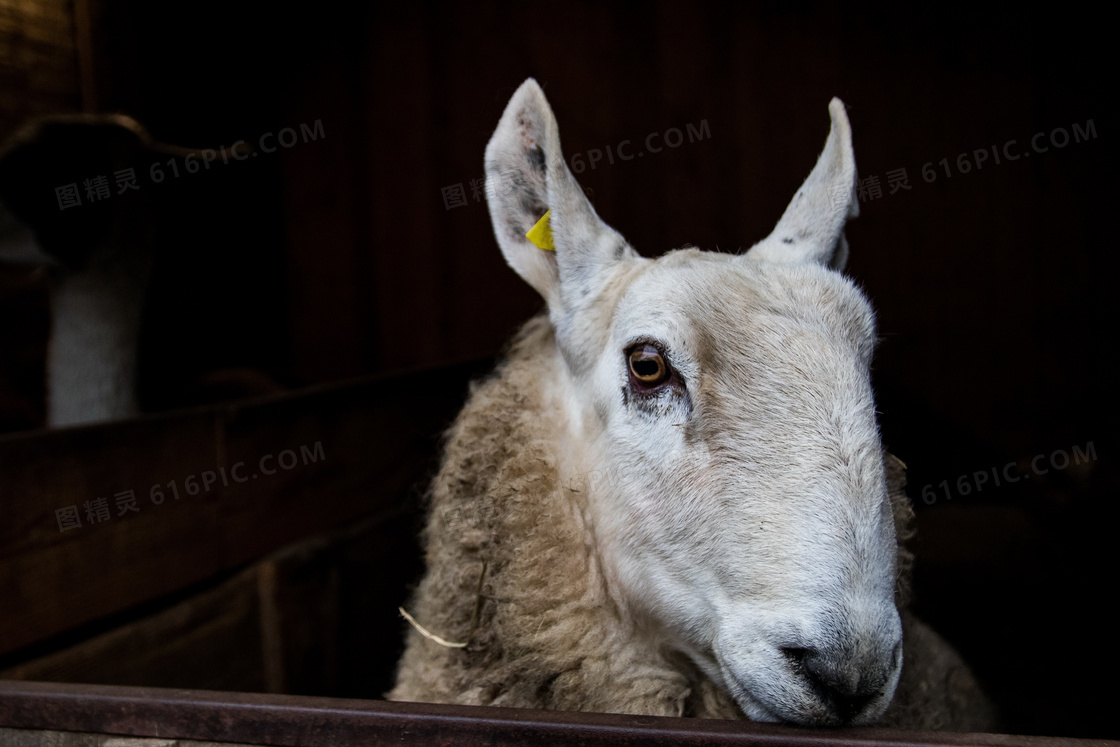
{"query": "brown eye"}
[(647, 367)]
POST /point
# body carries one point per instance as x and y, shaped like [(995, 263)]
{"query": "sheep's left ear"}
[(526, 177), (812, 227)]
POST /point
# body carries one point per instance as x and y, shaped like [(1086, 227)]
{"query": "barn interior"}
[(319, 278)]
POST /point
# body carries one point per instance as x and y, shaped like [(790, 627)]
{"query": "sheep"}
[(671, 497)]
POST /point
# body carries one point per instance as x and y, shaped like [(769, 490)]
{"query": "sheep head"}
[(745, 520)]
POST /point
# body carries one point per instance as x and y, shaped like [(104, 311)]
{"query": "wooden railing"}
[(245, 718)]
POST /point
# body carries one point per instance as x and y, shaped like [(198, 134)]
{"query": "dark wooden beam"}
[(291, 721)]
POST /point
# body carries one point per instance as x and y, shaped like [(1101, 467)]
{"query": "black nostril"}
[(843, 697)]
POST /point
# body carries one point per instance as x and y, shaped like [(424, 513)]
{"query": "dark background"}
[(338, 258)]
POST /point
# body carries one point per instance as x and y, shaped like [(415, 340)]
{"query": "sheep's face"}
[(722, 409), (738, 488)]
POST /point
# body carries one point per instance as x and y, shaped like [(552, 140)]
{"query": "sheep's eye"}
[(647, 366)]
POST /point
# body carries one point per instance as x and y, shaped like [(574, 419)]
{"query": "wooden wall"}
[(338, 257)]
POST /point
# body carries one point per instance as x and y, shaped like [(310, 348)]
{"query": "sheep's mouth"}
[(787, 697), (753, 707), (805, 711)]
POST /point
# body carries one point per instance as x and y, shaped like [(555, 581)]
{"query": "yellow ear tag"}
[(541, 234)]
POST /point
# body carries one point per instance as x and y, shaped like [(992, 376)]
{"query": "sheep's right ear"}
[(526, 177)]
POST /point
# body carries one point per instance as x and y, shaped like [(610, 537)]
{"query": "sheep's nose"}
[(844, 684)]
